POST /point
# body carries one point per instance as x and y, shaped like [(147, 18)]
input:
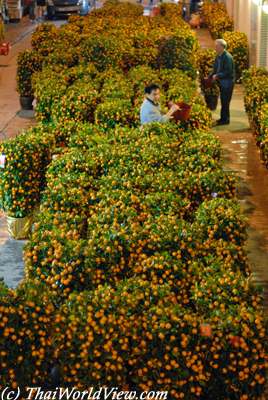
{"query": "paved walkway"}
[(11, 120), (242, 156)]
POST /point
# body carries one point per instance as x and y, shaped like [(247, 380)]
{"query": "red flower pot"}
[(183, 114), (207, 83), (4, 49), (155, 11)]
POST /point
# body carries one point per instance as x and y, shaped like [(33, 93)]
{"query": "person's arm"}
[(149, 113), (215, 67), (164, 118), (159, 117), (153, 116)]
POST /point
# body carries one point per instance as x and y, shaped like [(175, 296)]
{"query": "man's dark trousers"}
[(226, 91)]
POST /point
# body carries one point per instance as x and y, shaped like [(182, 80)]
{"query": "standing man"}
[(193, 6), (32, 6), (224, 73), (150, 109), (41, 6)]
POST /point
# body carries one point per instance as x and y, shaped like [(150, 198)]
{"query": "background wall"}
[(250, 19)]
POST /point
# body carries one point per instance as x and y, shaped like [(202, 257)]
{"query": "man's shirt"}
[(224, 67), (151, 112)]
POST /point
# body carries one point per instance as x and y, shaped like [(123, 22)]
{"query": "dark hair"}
[(150, 88)]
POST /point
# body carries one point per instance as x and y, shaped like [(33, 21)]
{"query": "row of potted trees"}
[(255, 82), (130, 225), (141, 41)]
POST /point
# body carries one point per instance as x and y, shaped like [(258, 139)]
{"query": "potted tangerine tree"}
[(22, 177), (210, 89), (28, 63)]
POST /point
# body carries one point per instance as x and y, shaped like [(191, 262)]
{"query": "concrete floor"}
[(11, 122)]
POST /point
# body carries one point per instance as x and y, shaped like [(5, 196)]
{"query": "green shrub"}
[(44, 38), (78, 103), (29, 62), (217, 19), (177, 51), (26, 347), (49, 87), (23, 175), (205, 61), (115, 112), (239, 48), (256, 95)]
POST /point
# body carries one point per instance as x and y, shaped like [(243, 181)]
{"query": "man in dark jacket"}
[(193, 6), (224, 73)]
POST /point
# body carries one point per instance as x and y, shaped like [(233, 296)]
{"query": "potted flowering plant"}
[(22, 177), (210, 89), (239, 48), (28, 63)]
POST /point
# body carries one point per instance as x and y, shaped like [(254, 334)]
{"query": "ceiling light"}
[(265, 7)]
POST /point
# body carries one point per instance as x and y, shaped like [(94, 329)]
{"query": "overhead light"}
[(265, 7), (263, 4)]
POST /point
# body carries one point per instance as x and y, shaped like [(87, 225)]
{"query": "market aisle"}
[(10, 120), (241, 155), (11, 123)]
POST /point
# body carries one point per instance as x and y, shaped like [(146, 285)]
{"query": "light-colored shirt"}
[(151, 112)]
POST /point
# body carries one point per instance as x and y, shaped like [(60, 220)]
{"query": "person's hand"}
[(174, 108), (214, 77)]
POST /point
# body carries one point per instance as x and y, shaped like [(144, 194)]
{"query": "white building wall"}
[(230, 7), (247, 19)]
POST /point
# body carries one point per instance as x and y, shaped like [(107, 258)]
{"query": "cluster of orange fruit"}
[(144, 227), (25, 328)]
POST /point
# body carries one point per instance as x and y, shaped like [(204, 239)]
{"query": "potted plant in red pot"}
[(211, 93), (183, 114), (4, 48), (155, 11), (210, 88)]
